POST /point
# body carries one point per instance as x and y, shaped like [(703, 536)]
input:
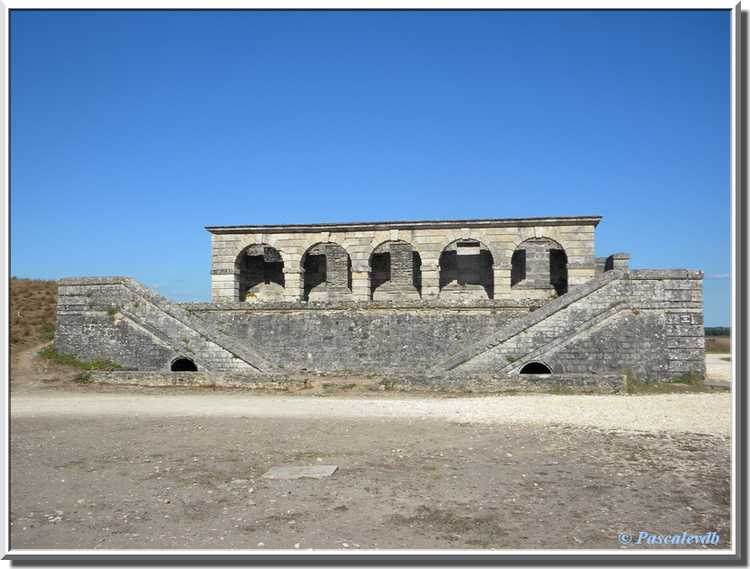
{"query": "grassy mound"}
[(32, 312)]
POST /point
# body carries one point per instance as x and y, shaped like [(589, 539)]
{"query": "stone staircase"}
[(549, 337), (166, 323), (211, 344)]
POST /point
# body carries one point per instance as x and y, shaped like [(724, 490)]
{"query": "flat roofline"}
[(427, 224)]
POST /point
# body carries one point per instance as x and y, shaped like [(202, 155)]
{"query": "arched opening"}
[(466, 270), (539, 264), (518, 267), (183, 364), (536, 368), (326, 272), (558, 270), (260, 274), (395, 271)]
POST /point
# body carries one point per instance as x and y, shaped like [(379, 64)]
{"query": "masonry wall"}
[(118, 319), (649, 323), (364, 340), (576, 239)]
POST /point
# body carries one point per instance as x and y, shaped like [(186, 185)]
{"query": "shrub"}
[(718, 331)]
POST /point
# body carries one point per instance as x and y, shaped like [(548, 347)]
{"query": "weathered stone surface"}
[(356, 244), (295, 472), (382, 301)]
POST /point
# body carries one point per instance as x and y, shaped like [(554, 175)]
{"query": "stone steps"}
[(526, 322)]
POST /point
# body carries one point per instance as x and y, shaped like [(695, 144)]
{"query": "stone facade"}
[(468, 259), (434, 302)]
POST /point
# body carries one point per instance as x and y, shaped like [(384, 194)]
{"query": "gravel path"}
[(708, 413), (718, 367)]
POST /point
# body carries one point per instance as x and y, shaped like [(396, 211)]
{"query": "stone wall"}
[(364, 339), (500, 238), (604, 383), (118, 319), (648, 323)]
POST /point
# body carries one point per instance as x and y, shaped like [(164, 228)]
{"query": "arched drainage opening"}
[(184, 364), (536, 368)]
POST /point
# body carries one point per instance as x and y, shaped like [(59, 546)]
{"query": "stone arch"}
[(395, 271), (259, 273), (326, 272), (535, 368), (267, 240), (541, 234), (182, 363), (539, 263), (466, 269)]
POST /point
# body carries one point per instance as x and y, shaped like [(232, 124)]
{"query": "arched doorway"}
[(466, 270), (395, 271), (326, 272), (540, 264), (260, 274)]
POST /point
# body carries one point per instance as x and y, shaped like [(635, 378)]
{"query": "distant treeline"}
[(717, 331)]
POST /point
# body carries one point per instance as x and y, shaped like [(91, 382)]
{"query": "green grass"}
[(84, 378), (71, 361)]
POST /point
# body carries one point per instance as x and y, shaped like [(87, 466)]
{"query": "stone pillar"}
[(337, 267), (617, 262), (537, 265), (430, 279), (402, 265), (292, 282), (501, 275), (360, 284), (225, 285)]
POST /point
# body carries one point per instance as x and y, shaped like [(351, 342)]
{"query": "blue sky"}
[(131, 131)]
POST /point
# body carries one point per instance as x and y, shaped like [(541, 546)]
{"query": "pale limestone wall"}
[(576, 239)]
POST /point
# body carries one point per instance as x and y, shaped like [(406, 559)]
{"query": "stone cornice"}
[(385, 225)]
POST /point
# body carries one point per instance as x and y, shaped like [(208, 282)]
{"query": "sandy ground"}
[(718, 367), (707, 413), (140, 468)]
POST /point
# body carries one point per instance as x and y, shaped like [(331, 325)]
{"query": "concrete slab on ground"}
[(294, 472)]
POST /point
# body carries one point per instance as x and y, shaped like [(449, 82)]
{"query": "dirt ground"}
[(102, 468)]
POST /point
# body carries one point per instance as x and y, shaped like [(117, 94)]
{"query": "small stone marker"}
[(294, 472)]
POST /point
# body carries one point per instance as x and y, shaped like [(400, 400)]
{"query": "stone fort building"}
[(438, 301)]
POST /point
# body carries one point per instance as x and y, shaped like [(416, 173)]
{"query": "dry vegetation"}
[(718, 345), (32, 312)]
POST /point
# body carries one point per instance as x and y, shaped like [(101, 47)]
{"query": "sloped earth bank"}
[(93, 468)]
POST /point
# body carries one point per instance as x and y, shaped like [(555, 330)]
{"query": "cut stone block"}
[(295, 472)]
